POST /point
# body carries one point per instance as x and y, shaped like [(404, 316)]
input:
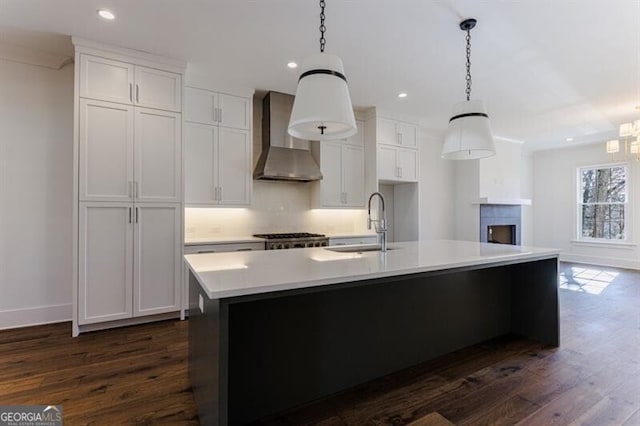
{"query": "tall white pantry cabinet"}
[(128, 200)]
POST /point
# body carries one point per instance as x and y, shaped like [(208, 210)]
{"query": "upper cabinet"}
[(342, 166), (396, 148), (392, 132), (217, 109), (122, 82), (218, 148)]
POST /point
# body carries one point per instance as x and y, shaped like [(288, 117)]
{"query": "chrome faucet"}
[(380, 223)]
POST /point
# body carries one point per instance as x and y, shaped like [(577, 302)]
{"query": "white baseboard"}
[(600, 261), (34, 316)]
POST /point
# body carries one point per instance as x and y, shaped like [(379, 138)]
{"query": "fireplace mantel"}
[(504, 201)]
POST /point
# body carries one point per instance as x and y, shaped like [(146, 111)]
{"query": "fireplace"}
[(500, 224), (501, 234)]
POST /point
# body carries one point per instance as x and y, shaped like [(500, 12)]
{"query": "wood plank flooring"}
[(138, 375)]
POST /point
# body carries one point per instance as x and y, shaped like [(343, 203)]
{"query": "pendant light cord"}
[(468, 90), (323, 29)]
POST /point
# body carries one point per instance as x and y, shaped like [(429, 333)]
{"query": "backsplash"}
[(276, 207)]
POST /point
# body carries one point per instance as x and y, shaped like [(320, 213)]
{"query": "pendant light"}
[(322, 107), (469, 134)]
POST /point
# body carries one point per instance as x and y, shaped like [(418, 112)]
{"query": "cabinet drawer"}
[(221, 248)]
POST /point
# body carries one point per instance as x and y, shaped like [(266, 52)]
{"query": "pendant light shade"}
[(322, 107), (469, 134)]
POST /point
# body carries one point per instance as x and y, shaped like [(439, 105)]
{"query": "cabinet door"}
[(353, 175), (105, 262), (387, 166), (199, 145), (158, 160), (387, 132), (157, 89), (408, 135), (234, 111), (234, 167), (105, 151), (105, 79), (408, 165), (200, 106), (156, 267), (331, 190)]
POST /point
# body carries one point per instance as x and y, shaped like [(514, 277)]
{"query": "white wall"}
[(36, 143), (555, 206), (437, 190)]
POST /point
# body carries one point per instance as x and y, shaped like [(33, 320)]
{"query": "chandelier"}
[(628, 131)]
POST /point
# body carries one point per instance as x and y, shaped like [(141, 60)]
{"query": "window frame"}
[(626, 204)]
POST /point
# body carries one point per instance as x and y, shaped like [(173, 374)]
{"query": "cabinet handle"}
[(215, 193), (400, 168), (135, 189), (130, 189), (400, 135), (137, 93), (130, 92), (206, 251), (219, 115), (219, 193), (129, 214), (136, 214)]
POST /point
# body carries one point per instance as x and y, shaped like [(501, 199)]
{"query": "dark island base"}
[(252, 356)]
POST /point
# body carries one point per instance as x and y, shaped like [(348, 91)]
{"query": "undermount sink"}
[(358, 249)]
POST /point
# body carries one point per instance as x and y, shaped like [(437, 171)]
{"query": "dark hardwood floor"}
[(138, 375)]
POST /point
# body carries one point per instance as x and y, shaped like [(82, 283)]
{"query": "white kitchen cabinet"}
[(128, 152), (129, 262), (342, 166), (157, 254), (105, 263), (157, 89), (342, 183), (353, 175), (106, 79), (222, 248), (123, 82), (217, 165), (105, 151), (397, 164), (219, 109), (363, 239), (158, 160), (128, 206), (392, 132)]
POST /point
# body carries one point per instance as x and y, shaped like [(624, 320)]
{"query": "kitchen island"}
[(273, 329)]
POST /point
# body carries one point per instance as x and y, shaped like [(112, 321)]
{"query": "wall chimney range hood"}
[(283, 157)]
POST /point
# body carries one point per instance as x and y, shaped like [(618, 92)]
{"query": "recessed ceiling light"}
[(106, 14), (402, 95), (569, 139), (292, 65)]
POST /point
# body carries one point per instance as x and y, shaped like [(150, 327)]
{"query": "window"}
[(602, 202)]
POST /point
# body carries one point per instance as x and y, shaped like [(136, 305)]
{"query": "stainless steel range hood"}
[(283, 156)]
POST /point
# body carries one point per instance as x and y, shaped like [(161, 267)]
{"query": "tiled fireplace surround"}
[(500, 214)]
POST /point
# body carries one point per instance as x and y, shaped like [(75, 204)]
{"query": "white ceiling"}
[(546, 69)]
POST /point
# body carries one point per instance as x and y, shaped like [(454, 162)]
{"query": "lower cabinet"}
[(129, 260)]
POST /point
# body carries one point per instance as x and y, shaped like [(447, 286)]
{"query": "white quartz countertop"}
[(232, 274)]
